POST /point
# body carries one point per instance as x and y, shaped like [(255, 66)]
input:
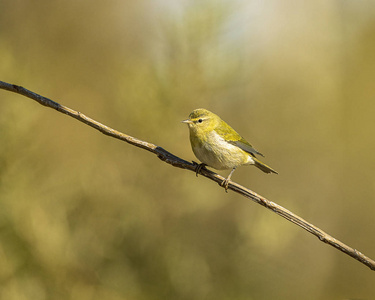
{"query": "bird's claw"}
[(198, 168), (225, 184)]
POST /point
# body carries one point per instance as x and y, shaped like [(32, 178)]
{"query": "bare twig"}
[(180, 163)]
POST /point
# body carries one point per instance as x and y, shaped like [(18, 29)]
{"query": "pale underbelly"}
[(222, 158)]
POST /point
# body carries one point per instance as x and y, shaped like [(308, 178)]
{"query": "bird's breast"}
[(216, 152)]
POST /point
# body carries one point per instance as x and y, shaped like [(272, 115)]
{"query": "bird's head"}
[(202, 121)]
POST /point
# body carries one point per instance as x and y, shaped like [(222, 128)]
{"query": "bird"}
[(218, 145)]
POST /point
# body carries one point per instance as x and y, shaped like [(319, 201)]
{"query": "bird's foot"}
[(225, 184), (198, 167)]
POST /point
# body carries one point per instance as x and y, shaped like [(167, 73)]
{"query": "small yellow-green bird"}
[(219, 146)]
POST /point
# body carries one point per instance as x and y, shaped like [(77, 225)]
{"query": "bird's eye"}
[(200, 121)]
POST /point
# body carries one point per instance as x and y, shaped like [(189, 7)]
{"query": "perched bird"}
[(219, 146)]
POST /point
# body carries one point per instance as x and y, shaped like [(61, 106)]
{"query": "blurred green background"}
[(85, 216)]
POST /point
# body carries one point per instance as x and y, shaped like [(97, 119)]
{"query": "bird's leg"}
[(198, 168), (225, 182)]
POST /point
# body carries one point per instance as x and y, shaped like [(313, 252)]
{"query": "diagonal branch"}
[(175, 161)]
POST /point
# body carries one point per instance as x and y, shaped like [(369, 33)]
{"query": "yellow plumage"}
[(218, 145)]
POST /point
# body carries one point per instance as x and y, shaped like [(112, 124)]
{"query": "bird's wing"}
[(245, 146), (232, 137)]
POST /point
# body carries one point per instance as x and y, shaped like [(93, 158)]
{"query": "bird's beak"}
[(187, 121)]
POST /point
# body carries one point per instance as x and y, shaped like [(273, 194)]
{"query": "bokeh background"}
[(84, 216)]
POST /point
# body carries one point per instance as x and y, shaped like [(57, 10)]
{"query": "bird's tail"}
[(263, 167)]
